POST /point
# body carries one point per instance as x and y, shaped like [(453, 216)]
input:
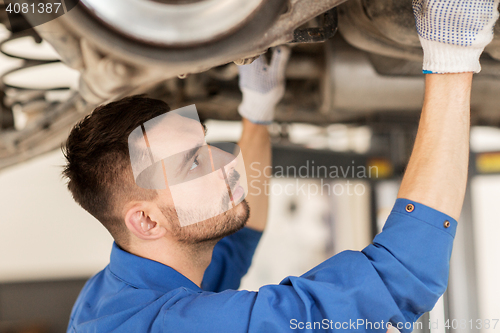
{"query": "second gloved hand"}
[(263, 86)]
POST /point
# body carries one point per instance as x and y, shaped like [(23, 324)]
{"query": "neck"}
[(191, 260)]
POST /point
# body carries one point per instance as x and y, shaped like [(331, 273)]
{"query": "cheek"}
[(214, 186), (203, 191), (199, 199)]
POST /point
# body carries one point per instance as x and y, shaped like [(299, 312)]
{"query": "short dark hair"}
[(98, 165)]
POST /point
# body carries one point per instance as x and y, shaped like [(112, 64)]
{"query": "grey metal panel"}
[(462, 287), (44, 303)]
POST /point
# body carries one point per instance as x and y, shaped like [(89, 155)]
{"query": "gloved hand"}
[(453, 33), (263, 86)]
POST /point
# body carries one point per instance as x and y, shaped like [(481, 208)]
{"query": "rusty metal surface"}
[(330, 82), (387, 28), (111, 68), (326, 30), (360, 31)]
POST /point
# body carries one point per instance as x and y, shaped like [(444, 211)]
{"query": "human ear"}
[(140, 223)]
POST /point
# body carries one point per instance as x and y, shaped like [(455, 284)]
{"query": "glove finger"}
[(418, 6), (280, 57), (281, 54), (250, 69)]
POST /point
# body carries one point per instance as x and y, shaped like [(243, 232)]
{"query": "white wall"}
[(43, 232), (486, 217)]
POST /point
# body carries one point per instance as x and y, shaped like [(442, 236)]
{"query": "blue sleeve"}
[(231, 259), (396, 279)]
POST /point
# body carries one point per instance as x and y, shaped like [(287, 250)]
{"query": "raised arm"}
[(233, 254), (262, 85), (256, 148), (453, 35), (437, 172)]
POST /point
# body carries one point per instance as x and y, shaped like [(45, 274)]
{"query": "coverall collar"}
[(145, 273)]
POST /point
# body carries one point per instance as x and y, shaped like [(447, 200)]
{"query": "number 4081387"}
[(40, 8)]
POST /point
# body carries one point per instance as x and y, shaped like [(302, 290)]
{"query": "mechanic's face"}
[(204, 183)]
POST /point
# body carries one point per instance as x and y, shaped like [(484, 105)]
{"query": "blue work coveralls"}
[(396, 279)]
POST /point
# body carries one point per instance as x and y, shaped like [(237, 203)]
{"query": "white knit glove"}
[(453, 33), (263, 86)]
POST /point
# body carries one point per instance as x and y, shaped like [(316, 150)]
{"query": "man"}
[(158, 280)]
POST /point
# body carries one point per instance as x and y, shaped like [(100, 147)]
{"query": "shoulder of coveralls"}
[(249, 232), (245, 232)]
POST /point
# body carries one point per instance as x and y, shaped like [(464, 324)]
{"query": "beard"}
[(210, 230), (231, 183)]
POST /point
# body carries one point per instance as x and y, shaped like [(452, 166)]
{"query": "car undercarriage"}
[(354, 62)]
